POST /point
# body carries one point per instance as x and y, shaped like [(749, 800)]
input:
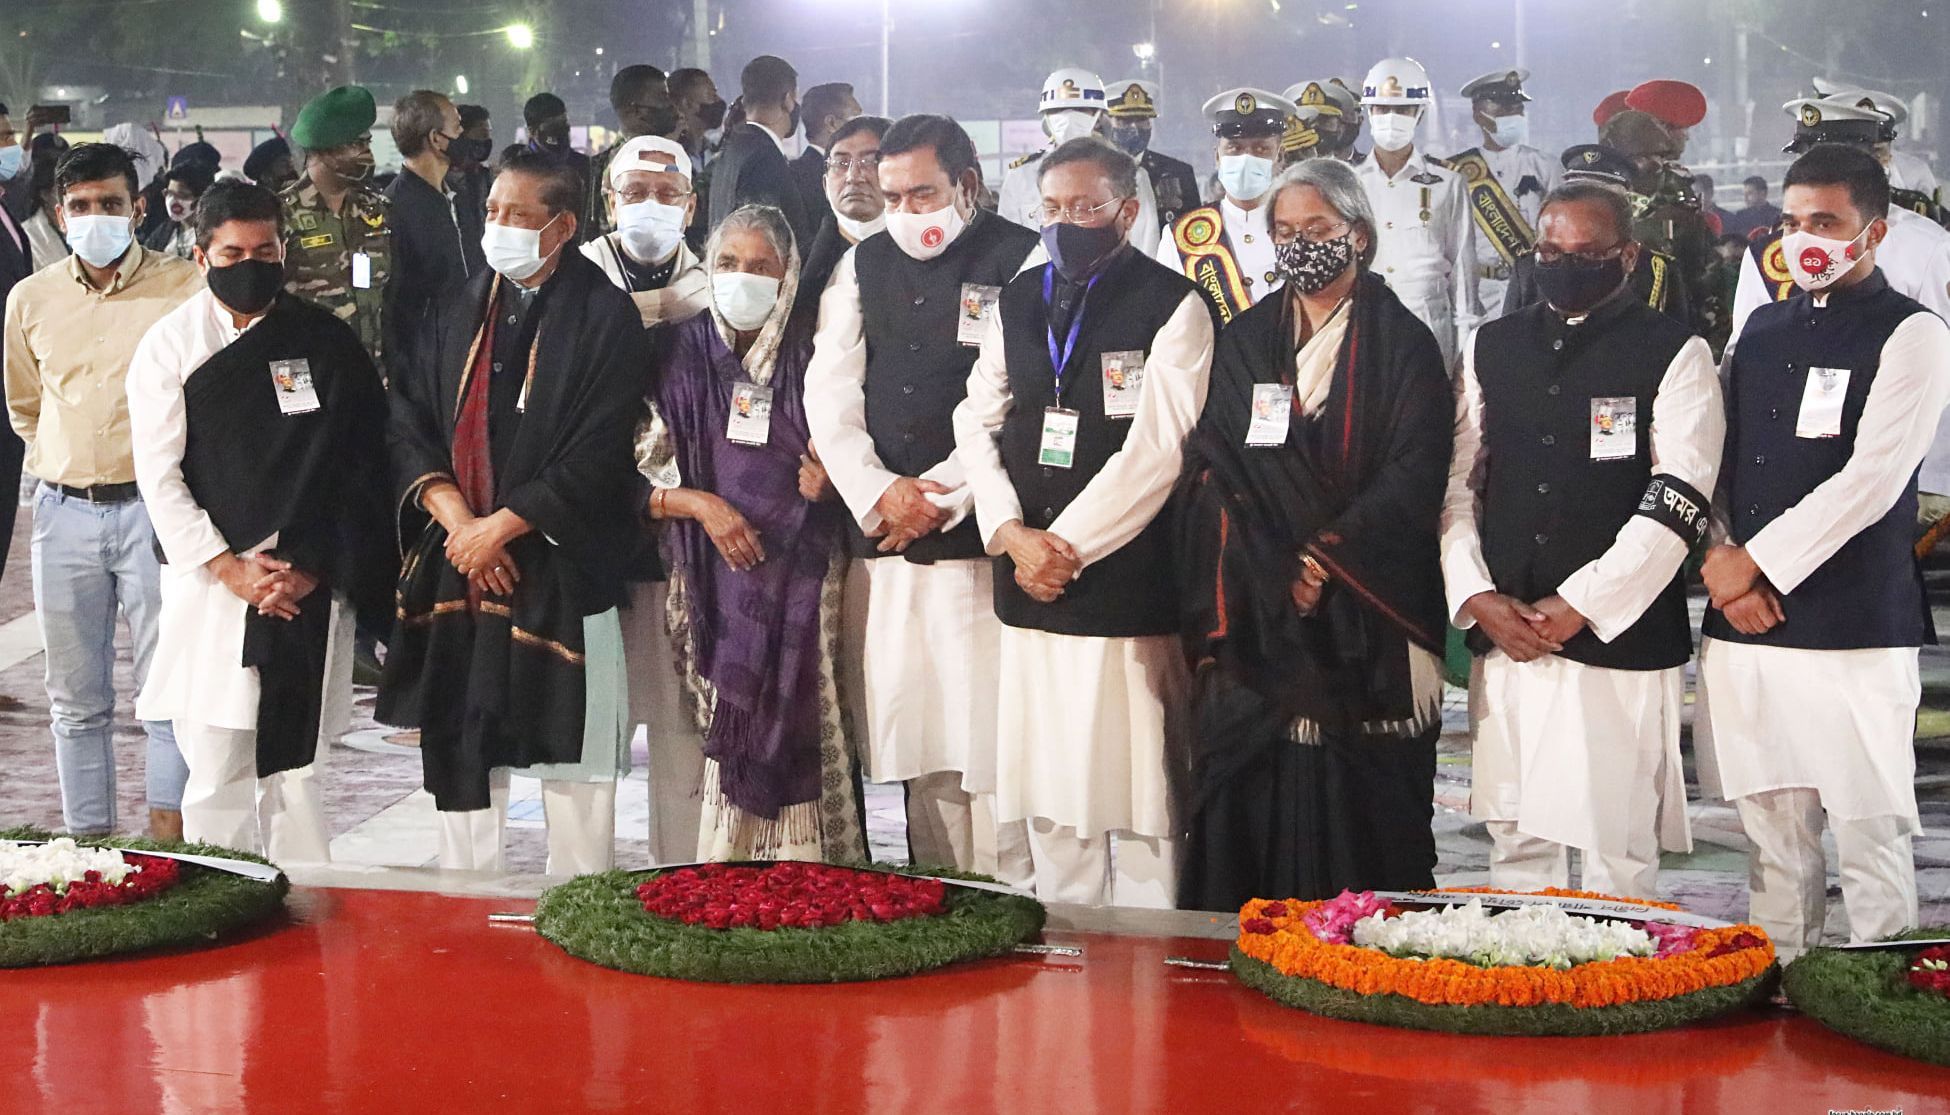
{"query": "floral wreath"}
[(781, 922), (1895, 999), (1301, 954), (98, 912)]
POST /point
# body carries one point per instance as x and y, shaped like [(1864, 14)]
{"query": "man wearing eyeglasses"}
[(1587, 441), (650, 201), (899, 326), (338, 234), (1090, 375), (640, 97), (854, 206)]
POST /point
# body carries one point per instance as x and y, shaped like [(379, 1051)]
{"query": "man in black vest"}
[(1588, 436), (898, 329), (1808, 671), (1089, 378)]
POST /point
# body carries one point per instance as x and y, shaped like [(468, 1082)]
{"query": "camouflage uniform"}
[(1669, 221), (318, 250)]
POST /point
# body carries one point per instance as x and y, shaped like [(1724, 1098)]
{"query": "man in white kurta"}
[(1090, 727), (651, 202), (929, 641), (198, 680), (1809, 672), (1426, 249)]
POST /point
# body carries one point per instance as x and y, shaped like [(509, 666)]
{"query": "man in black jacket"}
[(753, 169), (823, 110), (429, 257)]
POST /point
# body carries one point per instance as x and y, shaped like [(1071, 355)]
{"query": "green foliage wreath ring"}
[(1865, 994)]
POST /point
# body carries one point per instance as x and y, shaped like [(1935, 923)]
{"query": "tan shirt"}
[(67, 348)]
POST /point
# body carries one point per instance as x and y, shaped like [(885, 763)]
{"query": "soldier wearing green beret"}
[(338, 242)]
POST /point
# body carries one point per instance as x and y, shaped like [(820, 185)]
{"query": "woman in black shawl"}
[(1314, 607)]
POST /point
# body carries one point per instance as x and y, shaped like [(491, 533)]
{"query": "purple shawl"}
[(755, 635)]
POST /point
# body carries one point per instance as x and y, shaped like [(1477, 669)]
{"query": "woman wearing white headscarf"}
[(753, 549)]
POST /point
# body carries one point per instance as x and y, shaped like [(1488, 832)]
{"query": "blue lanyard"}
[(1059, 358)]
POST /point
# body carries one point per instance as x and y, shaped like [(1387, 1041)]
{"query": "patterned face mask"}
[(1311, 268)]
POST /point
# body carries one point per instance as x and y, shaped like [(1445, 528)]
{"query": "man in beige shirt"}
[(69, 335)]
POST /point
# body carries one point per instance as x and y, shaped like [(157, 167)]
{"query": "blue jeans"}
[(90, 558)]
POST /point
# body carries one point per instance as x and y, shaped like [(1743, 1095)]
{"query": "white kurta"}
[(1838, 721), (1021, 193), (1560, 747), (931, 632), (1915, 258), (1252, 246), (197, 672), (1426, 245), (1510, 165), (687, 292), (1087, 726)]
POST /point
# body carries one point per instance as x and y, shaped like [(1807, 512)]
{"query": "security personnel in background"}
[(338, 245), (1667, 211), (1072, 105), (1333, 112), (1679, 105), (1133, 107), (1426, 251), (1226, 247), (1912, 184), (1506, 179), (1655, 279)]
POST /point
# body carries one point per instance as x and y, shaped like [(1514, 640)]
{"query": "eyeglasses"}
[(1319, 232), (1551, 257), (666, 196), (844, 165), (1070, 214)]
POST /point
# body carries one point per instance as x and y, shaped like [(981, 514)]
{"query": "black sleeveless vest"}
[(1132, 591), (1870, 594), (917, 372), (1548, 507)]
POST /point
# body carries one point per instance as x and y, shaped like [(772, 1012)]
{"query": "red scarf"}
[(473, 462)]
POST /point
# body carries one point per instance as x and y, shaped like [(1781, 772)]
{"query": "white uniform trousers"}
[(675, 766), (950, 827), (282, 816), (581, 818), (1787, 876), (1107, 869)]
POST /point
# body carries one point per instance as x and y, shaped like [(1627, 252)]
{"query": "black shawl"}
[(316, 480), (1359, 485), (504, 686)]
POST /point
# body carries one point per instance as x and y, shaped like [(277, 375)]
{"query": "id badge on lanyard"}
[(1058, 448), (751, 415)]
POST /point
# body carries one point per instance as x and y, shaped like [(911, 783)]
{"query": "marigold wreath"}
[(1698, 973), (1893, 999), (781, 922), (194, 906)]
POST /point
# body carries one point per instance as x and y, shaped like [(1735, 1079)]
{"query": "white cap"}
[(1396, 81), (651, 153), (1072, 87)]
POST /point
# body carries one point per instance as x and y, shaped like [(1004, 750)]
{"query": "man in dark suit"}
[(16, 263), (823, 109), (753, 168)]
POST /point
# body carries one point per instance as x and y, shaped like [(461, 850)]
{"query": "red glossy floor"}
[(375, 1001)]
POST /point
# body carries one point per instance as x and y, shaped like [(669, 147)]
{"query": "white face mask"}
[(1245, 177), (744, 301), (100, 240), (178, 209), (515, 252), (1509, 131), (650, 230), (1070, 123), (13, 159), (1393, 130), (926, 235), (1817, 262), (859, 230)]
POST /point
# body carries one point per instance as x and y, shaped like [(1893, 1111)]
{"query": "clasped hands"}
[(1045, 563), (477, 546), (1741, 591), (1524, 632), (907, 514), (272, 586)]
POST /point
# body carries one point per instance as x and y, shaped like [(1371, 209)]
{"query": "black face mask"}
[(470, 150), (660, 120), (247, 286), (1078, 251), (1574, 286), (711, 115), (793, 123), (1130, 140), (1311, 268)]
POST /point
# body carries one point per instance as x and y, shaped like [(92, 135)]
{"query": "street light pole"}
[(886, 54)]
